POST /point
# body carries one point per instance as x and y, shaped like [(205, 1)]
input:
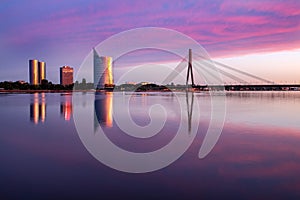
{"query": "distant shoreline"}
[(41, 91), (71, 91)]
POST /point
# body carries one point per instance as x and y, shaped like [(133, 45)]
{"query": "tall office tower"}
[(33, 72), (103, 76), (42, 71), (37, 72), (66, 75)]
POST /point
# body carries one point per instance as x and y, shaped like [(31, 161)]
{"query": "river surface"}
[(56, 145)]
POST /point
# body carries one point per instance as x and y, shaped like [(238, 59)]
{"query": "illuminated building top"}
[(103, 76)]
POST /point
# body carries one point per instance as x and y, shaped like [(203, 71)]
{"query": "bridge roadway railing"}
[(255, 87)]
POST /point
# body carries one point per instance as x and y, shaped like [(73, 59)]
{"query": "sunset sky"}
[(258, 36)]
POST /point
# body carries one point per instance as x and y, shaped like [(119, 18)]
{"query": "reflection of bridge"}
[(213, 72)]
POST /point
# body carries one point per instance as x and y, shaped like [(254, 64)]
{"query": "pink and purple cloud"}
[(71, 28)]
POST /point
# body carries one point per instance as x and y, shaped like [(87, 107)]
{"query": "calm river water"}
[(49, 145)]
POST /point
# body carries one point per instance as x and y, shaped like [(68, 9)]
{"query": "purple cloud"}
[(223, 27)]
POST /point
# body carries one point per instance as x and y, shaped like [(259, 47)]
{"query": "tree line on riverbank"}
[(45, 85)]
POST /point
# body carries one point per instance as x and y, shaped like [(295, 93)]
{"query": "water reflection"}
[(103, 110), (66, 107), (278, 109), (103, 106), (248, 162), (189, 108), (38, 108)]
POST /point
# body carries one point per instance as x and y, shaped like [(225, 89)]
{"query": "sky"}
[(257, 36)]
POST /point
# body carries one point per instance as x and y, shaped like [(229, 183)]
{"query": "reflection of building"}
[(37, 72), (66, 75), (38, 108), (103, 76), (66, 107), (104, 109)]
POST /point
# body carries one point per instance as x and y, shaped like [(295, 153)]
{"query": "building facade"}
[(33, 72), (37, 72), (66, 75), (42, 71), (103, 76)]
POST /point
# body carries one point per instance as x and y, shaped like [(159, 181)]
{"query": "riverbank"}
[(149, 90), (42, 91)]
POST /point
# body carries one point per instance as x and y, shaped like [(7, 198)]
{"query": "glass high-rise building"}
[(103, 76), (42, 71), (33, 72), (66, 75), (37, 72)]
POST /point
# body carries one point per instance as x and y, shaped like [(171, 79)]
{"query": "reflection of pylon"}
[(189, 109), (190, 70)]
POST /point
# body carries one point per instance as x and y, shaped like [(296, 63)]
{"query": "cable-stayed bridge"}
[(213, 74)]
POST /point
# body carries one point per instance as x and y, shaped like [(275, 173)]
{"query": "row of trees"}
[(45, 85), (83, 85)]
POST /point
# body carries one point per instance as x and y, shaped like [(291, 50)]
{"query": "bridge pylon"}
[(190, 70)]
